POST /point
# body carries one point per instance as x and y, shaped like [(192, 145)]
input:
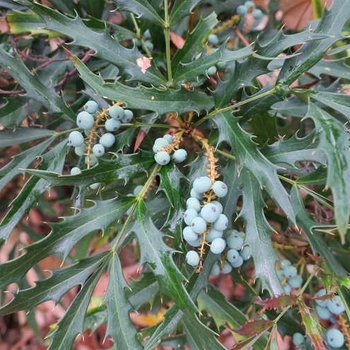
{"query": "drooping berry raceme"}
[(289, 277)]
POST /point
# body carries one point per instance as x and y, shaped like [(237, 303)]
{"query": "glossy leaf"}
[(20, 135), (182, 9)]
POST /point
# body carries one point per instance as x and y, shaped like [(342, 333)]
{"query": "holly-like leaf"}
[(258, 234), (182, 9), (34, 87), (255, 327), (119, 325), (334, 142), (100, 41), (64, 236), (336, 68), (20, 135), (158, 256), (310, 53), (72, 322), (54, 287), (160, 101), (13, 111), (142, 9), (249, 157), (31, 191), (278, 302)]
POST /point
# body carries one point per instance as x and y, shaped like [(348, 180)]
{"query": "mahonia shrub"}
[(202, 139)]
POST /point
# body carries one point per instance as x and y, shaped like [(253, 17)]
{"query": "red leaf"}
[(254, 327), (280, 301), (177, 40)]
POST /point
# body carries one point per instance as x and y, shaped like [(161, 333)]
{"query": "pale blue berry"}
[(298, 339), (162, 158), (98, 150), (85, 120), (335, 338), (189, 215), (323, 313), (221, 222), (116, 112), (91, 106), (194, 203), (179, 155), (212, 234), (217, 246), (75, 171), (188, 234), (335, 305), (220, 188), (75, 138), (128, 116), (210, 213), (198, 225), (202, 184), (107, 140), (192, 258), (159, 143), (112, 124)]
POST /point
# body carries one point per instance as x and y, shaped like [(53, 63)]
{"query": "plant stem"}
[(167, 42)]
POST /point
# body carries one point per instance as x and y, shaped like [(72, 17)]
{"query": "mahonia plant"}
[(202, 140)]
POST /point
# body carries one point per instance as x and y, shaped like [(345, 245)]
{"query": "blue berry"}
[(188, 234), (335, 305), (212, 234), (209, 212), (295, 281), (76, 139), (80, 150), (232, 255), (107, 140), (137, 190), (85, 120), (321, 293), (159, 143), (218, 206), (249, 4), (217, 246), (169, 138), (237, 263), (227, 268), (196, 243), (212, 70), (245, 252), (112, 124), (128, 116), (220, 188), (221, 222), (257, 14), (198, 225), (91, 106), (179, 155), (215, 270), (290, 271), (234, 241), (202, 184), (213, 39), (335, 338), (194, 203), (189, 215), (92, 160), (98, 150), (195, 194), (285, 263), (298, 339), (95, 185), (75, 171), (241, 10), (323, 313), (192, 258), (116, 112), (162, 158)]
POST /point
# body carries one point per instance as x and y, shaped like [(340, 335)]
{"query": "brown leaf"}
[(254, 327), (280, 301)]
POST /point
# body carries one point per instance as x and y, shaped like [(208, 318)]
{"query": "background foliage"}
[(272, 121)]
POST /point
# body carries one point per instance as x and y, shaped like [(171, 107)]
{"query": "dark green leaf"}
[(182, 9), (13, 112), (54, 287), (335, 68), (119, 325), (334, 142), (160, 101), (21, 135)]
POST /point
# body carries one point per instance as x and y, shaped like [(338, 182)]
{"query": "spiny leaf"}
[(258, 234), (123, 166), (156, 254), (334, 142), (55, 286), (21, 135), (255, 327), (336, 68), (316, 241), (31, 191), (101, 42), (278, 302), (13, 111), (309, 54), (72, 322), (64, 236), (249, 157), (34, 87), (21, 160), (119, 325), (142, 9), (160, 101), (182, 9)]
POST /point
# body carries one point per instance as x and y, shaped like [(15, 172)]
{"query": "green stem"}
[(236, 105), (167, 42), (139, 36)]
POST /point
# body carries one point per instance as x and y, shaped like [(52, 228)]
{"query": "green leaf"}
[(156, 254), (119, 325), (335, 68), (182, 9), (334, 142), (258, 234), (316, 241), (54, 287), (249, 157), (64, 236), (13, 111), (93, 7), (31, 191), (142, 9), (72, 322), (338, 102), (34, 87), (123, 166), (21, 160), (100, 41), (21, 135), (310, 53), (160, 101)]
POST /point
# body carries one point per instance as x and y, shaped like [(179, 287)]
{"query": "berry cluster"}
[(289, 277), (327, 309), (206, 223), (249, 7), (93, 140), (164, 149)]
